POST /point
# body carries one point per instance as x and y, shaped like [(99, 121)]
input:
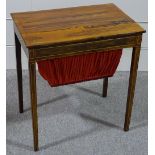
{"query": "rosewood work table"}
[(59, 33)]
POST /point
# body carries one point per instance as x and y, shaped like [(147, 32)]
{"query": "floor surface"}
[(76, 120)]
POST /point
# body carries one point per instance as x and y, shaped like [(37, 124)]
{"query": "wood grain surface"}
[(68, 25)]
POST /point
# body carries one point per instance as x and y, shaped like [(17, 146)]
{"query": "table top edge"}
[(81, 41)]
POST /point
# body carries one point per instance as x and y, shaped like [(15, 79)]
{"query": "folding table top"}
[(77, 24)]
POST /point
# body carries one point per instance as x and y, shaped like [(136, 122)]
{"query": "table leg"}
[(131, 87), (19, 73), (33, 93), (105, 87)]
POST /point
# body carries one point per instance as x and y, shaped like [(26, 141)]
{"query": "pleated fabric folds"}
[(72, 69)]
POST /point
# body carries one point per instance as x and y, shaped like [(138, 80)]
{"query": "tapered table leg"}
[(33, 94), (105, 87), (131, 87), (19, 73)]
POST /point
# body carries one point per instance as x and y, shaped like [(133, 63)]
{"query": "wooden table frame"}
[(37, 53), (131, 41)]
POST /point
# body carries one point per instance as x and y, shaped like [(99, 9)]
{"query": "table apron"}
[(50, 52)]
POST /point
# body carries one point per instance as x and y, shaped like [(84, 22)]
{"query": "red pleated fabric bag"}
[(72, 69)]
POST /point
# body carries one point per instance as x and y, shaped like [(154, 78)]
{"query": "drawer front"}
[(87, 47)]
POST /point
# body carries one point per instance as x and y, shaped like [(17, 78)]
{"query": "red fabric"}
[(61, 71)]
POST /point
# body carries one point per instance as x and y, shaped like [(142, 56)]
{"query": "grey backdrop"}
[(135, 9)]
